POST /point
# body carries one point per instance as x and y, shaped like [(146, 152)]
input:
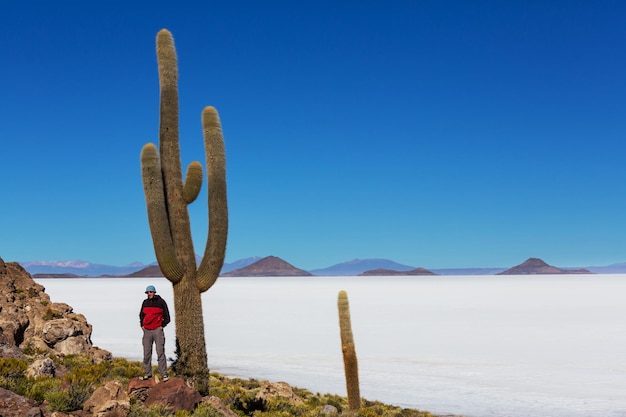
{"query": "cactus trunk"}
[(167, 197), (192, 357), (350, 364)]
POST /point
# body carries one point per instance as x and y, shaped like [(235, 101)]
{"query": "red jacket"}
[(154, 313)]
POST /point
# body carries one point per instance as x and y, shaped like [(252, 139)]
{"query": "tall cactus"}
[(350, 365), (167, 197)]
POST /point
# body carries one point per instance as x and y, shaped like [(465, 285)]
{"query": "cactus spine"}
[(167, 197), (350, 365)]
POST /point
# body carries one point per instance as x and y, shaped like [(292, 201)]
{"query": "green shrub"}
[(248, 404), (155, 410), (123, 370), (205, 410), (13, 367), (69, 399), (12, 376), (13, 384), (58, 400), (75, 361), (39, 387)]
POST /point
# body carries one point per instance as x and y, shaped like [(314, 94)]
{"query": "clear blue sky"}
[(433, 133)]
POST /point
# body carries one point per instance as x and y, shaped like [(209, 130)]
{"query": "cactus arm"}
[(215, 248), (350, 364), (157, 213), (168, 134), (193, 182)]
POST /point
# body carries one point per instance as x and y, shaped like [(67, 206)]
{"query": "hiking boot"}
[(145, 377)]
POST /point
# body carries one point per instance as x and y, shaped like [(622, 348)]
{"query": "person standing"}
[(153, 317)]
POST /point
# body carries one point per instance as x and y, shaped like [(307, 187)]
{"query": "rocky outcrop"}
[(536, 266), (31, 322), (391, 272), (269, 266)]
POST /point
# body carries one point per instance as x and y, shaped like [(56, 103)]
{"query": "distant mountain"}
[(155, 271), (467, 271), (241, 263), (536, 266), (269, 266), (358, 266), (79, 268), (354, 267), (390, 272), (608, 269), (152, 271), (55, 276)]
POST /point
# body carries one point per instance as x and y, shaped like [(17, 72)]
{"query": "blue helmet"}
[(150, 288)]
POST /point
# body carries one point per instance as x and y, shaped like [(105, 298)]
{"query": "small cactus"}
[(350, 365)]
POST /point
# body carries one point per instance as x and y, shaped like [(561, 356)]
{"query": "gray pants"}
[(156, 336)]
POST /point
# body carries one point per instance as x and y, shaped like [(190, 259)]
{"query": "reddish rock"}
[(140, 389), (175, 394), (138, 383)]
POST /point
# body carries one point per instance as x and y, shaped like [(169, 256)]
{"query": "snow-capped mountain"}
[(78, 267)]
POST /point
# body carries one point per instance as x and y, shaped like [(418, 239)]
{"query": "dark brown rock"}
[(139, 389), (13, 405), (175, 394)]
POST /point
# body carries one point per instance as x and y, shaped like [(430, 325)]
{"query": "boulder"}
[(41, 367), (139, 389), (55, 331), (13, 405), (110, 400), (219, 407), (175, 394), (278, 389), (329, 410)]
